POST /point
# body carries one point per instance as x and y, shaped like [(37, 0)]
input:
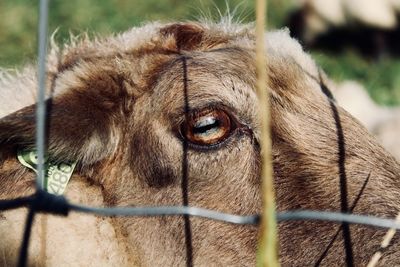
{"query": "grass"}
[(18, 20), (18, 23), (381, 78)]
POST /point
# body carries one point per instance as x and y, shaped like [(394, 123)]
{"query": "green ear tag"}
[(57, 174)]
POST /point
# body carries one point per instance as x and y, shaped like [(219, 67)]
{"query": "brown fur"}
[(117, 105)]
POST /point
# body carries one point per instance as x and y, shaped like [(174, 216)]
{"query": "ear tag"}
[(57, 174)]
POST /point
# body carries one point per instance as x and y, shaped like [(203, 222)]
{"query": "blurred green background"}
[(18, 30)]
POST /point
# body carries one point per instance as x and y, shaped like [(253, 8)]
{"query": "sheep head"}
[(167, 115)]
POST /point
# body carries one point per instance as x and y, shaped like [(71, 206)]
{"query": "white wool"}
[(280, 43), (321, 15), (388, 135), (353, 97), (395, 4), (384, 122), (17, 90), (377, 13), (137, 36), (331, 10)]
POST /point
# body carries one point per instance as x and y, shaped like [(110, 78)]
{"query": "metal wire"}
[(146, 211), (295, 215), (40, 107), (14, 203), (168, 211), (338, 217), (40, 128), (310, 215)]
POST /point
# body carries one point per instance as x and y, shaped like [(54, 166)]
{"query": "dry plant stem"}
[(384, 244), (267, 250), (43, 238)]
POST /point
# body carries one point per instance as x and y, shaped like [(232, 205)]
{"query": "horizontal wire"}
[(295, 215), (237, 219), (6, 204), (338, 218), (168, 211)]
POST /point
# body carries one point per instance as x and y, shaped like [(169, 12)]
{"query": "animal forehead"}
[(230, 63), (218, 77)]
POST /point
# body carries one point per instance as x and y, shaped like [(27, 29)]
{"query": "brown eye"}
[(207, 127)]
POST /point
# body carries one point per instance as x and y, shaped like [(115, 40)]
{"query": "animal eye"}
[(208, 127)]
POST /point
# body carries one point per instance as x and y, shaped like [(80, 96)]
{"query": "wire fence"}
[(44, 202)]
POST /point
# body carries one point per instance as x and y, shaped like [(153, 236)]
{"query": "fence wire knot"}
[(45, 202)]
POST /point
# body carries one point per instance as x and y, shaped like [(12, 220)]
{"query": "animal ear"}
[(82, 121)]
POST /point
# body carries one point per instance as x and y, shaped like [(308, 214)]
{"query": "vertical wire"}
[(41, 114), (23, 253), (40, 132), (267, 248), (40, 108)]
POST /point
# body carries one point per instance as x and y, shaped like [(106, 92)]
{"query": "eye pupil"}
[(207, 127)]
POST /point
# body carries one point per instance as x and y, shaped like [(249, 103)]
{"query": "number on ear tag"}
[(57, 174)]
